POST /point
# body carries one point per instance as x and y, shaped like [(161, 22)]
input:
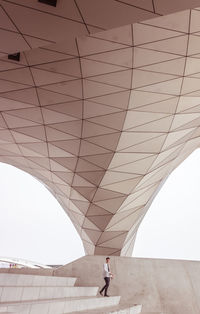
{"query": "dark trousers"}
[(107, 281)]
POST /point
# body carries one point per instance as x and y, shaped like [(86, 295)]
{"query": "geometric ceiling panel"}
[(103, 104)]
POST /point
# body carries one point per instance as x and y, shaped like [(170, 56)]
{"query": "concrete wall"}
[(28, 271), (161, 286)]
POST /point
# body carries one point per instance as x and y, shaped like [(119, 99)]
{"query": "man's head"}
[(107, 259)]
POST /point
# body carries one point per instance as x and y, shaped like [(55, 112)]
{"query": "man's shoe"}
[(101, 293), (106, 295)]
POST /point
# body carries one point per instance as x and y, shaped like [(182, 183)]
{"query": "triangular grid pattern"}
[(101, 125), (45, 25)]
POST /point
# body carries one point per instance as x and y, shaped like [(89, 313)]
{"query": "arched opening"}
[(170, 228), (33, 225)]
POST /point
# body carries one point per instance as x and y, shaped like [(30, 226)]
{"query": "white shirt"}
[(106, 272)]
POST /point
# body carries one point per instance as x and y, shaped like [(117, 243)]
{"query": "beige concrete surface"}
[(27, 271), (21, 280), (60, 306), (116, 310), (20, 294), (32, 294), (161, 286)]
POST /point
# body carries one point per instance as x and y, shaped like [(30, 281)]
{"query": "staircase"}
[(33, 294)]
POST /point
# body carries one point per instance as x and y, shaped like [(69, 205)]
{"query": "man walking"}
[(106, 275)]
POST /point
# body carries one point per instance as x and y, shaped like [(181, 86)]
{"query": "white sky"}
[(33, 226), (170, 228)]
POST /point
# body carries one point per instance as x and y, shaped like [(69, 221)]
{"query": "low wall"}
[(161, 286), (28, 271)]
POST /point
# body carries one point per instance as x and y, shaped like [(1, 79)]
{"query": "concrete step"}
[(3, 310), (35, 280), (119, 309), (59, 306), (12, 294)]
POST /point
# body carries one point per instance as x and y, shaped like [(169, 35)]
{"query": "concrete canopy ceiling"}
[(101, 117)]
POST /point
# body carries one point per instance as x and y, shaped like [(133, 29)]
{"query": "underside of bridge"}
[(100, 100)]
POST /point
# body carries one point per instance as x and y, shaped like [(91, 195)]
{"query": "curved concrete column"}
[(104, 120)]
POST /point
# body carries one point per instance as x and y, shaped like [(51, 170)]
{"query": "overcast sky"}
[(33, 226), (171, 227)]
